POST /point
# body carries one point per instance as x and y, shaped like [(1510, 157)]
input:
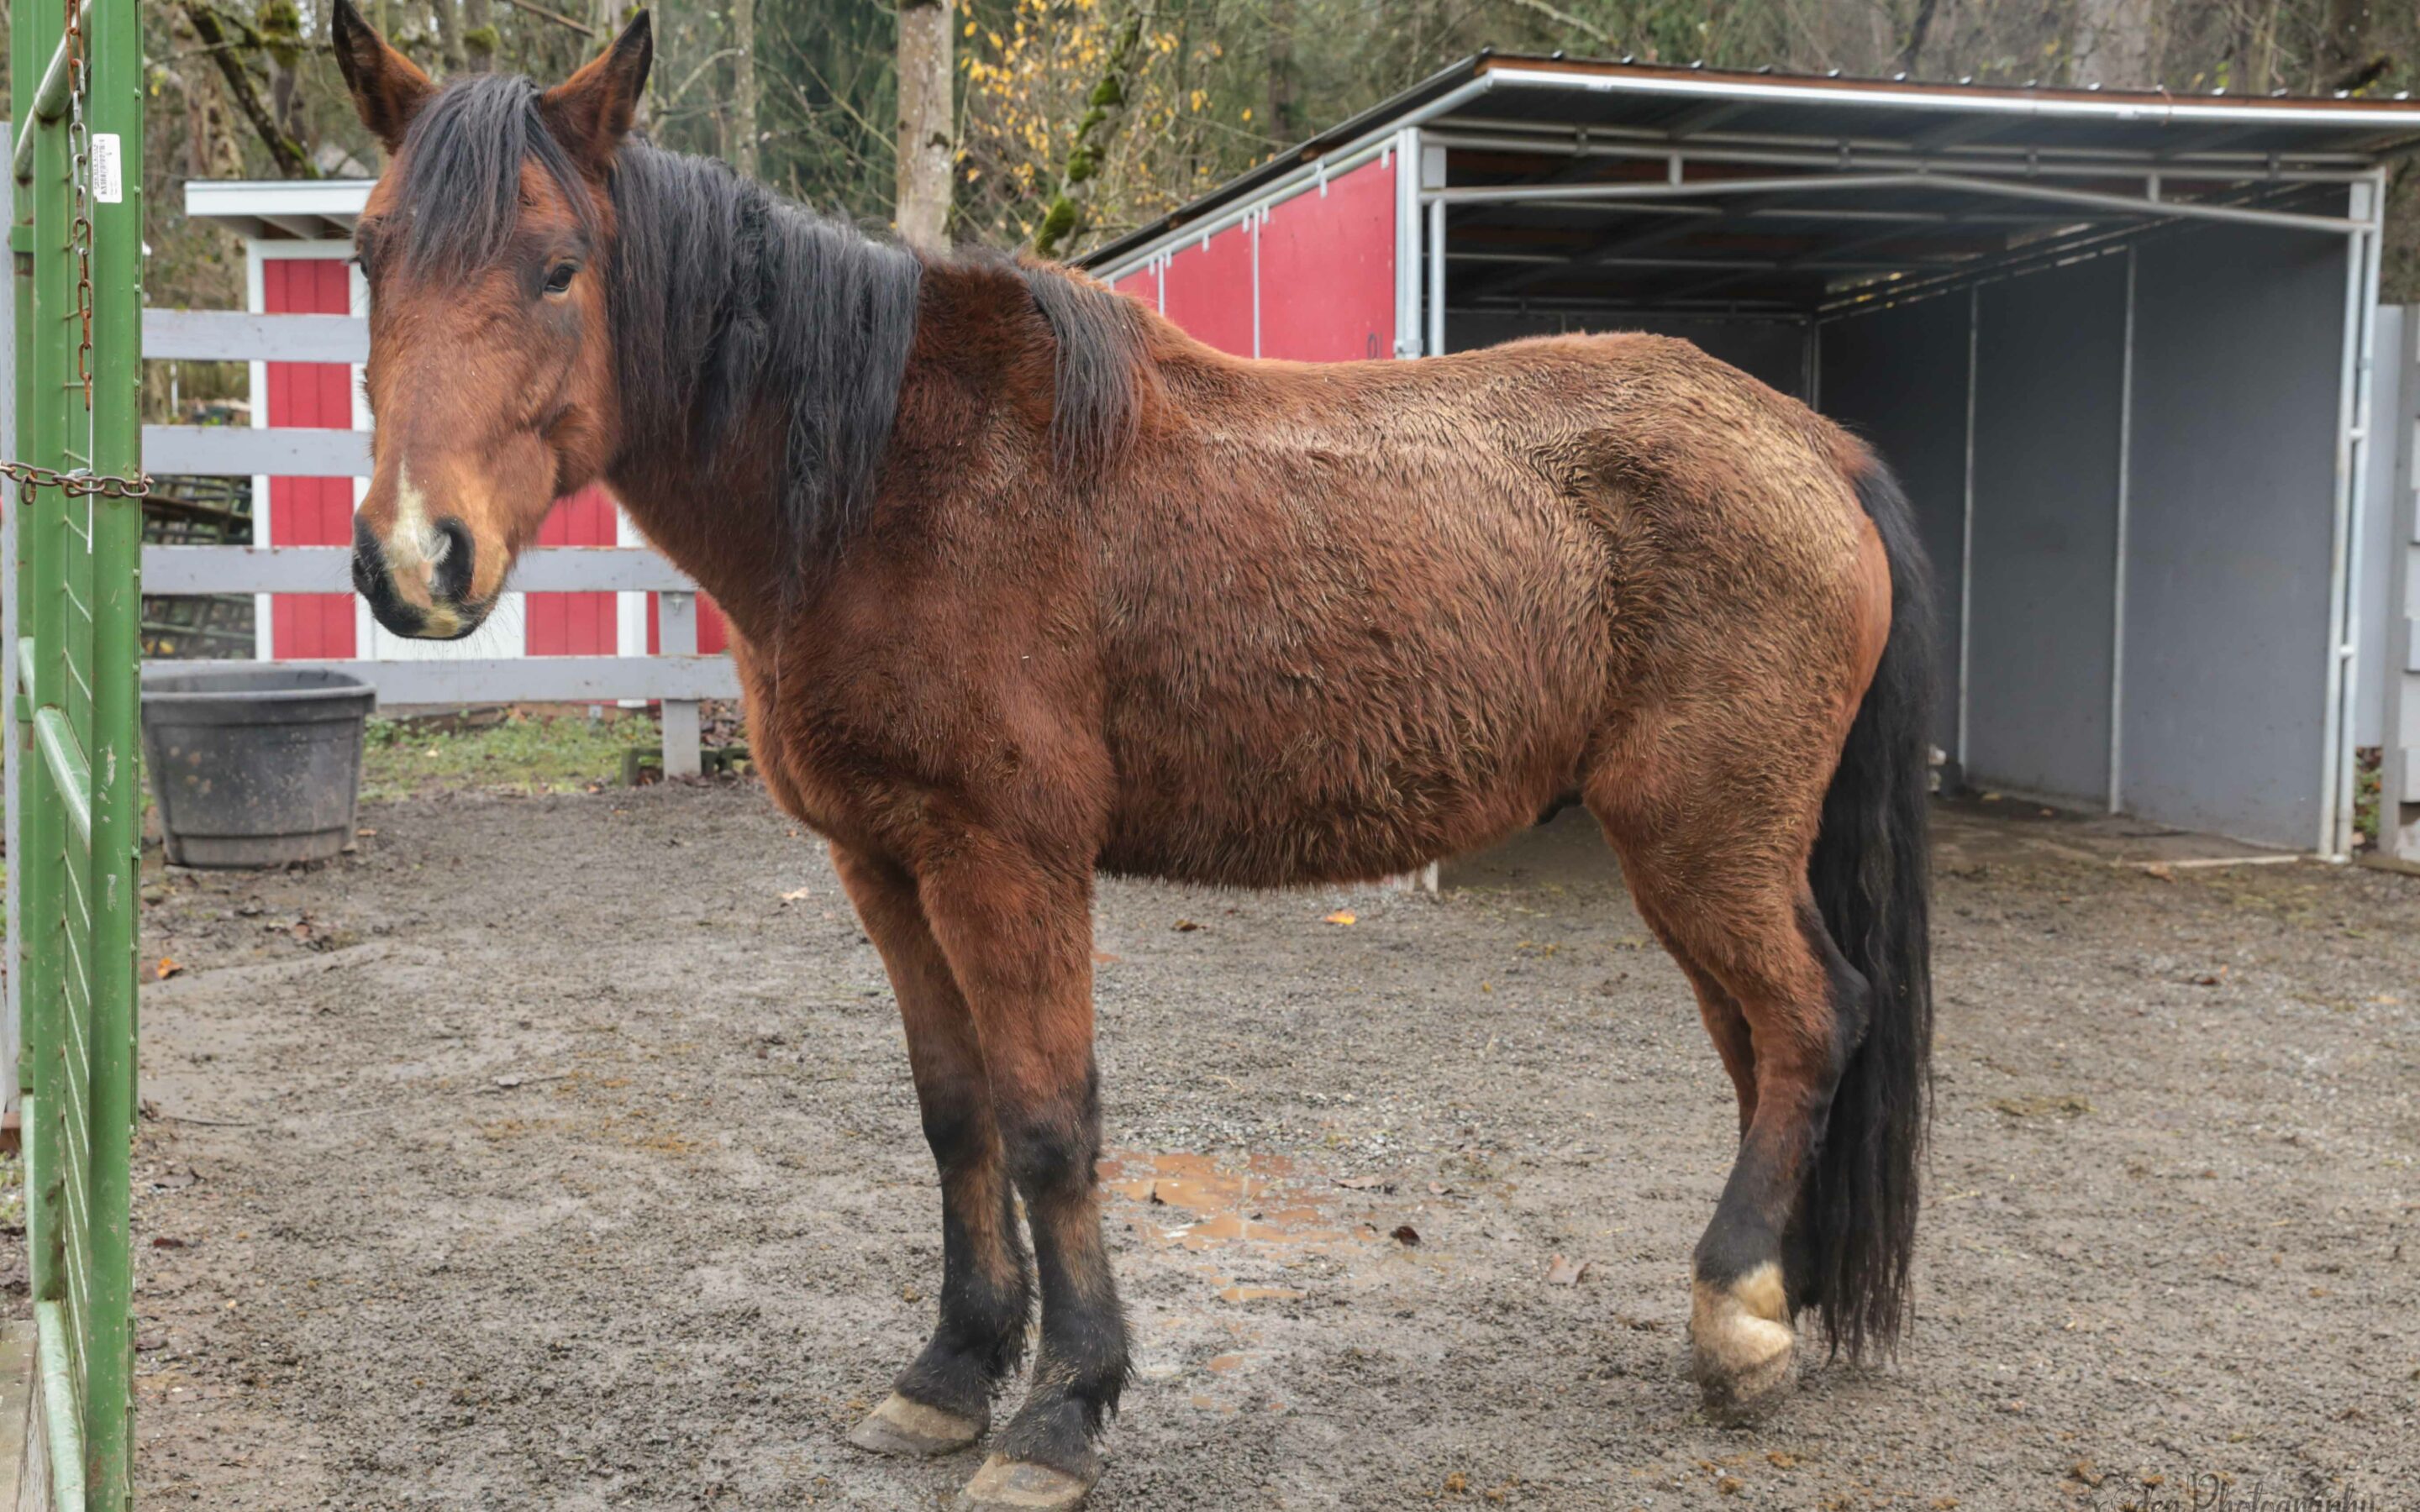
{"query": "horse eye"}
[(559, 280)]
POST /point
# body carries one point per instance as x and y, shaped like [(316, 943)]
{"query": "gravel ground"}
[(560, 1152)]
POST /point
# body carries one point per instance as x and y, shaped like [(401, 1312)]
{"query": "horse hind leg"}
[(942, 1401), (1731, 904)]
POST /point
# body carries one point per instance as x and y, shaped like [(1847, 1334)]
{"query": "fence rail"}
[(239, 336), (678, 678), (327, 569)]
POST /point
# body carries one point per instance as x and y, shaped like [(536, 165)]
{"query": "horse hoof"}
[(900, 1427), (1740, 1344), (1021, 1485)]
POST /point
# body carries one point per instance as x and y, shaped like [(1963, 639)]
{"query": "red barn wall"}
[(1326, 285), (1327, 269), (574, 624), (310, 510)]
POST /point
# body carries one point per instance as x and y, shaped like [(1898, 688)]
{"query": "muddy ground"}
[(560, 1152)]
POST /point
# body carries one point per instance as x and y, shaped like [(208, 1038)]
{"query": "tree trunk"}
[(2113, 44), (922, 209), (1079, 186), (2345, 62), (480, 40), (449, 35), (1285, 103), (743, 86), (292, 160)]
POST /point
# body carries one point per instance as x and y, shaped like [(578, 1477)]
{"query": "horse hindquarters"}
[(1807, 954)]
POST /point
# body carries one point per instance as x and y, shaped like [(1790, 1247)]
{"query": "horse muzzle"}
[(427, 599)]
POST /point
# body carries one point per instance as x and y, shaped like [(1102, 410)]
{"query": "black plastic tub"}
[(254, 765)]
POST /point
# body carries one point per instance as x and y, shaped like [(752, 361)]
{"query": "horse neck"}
[(716, 518), (739, 318), (977, 347)]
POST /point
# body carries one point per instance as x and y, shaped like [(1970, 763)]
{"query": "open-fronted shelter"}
[(2124, 348)]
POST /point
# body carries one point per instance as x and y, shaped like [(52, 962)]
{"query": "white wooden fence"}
[(677, 678)]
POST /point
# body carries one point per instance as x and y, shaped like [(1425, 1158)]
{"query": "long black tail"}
[(1872, 880)]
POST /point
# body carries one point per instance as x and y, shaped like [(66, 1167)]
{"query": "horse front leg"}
[(942, 1401), (1018, 933)]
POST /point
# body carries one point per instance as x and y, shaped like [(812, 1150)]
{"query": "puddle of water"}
[(1193, 1201)]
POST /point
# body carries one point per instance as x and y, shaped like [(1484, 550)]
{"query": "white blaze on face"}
[(414, 544), (414, 549)]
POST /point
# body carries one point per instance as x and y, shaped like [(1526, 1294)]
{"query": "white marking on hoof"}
[(1741, 1340), (900, 1427), (1019, 1486)]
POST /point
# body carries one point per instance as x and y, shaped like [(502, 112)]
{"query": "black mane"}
[(723, 292)]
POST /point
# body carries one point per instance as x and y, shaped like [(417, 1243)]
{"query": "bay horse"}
[(1026, 585)]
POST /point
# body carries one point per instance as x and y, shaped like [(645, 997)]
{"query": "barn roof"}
[(1588, 181)]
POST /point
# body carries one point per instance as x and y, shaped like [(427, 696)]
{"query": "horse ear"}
[(388, 89), (591, 112)]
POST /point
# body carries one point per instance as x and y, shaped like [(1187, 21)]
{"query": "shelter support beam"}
[(2119, 551)]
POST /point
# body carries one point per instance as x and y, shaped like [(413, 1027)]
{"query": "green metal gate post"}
[(77, 164)]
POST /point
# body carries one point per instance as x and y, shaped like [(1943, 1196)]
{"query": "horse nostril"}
[(369, 561), (449, 574)]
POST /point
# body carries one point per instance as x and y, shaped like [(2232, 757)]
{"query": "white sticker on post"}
[(108, 182)]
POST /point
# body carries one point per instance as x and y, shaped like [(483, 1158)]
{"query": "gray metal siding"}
[(2045, 531), (2238, 346), (1898, 379)]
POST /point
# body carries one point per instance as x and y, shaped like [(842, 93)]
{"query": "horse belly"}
[(1346, 720)]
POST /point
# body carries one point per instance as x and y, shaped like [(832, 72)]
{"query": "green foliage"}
[(524, 754)]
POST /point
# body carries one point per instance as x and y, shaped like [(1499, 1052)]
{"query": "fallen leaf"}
[(2212, 979), (2161, 870), (1103, 958), (166, 968), (167, 1241), (797, 895), (1345, 916), (1406, 1235), (365, 830), (1185, 926), (1781, 1458), (1565, 1272)]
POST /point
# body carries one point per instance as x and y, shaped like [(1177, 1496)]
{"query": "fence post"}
[(676, 636), (13, 310), (116, 175)]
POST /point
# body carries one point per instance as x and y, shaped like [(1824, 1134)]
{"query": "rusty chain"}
[(80, 149), (76, 484)]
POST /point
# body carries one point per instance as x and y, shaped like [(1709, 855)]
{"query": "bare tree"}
[(922, 209)]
